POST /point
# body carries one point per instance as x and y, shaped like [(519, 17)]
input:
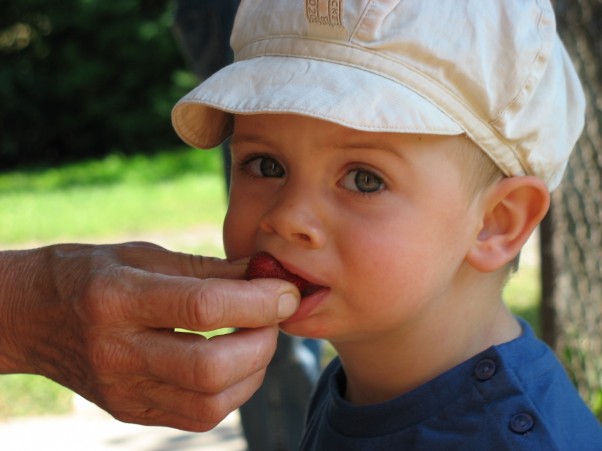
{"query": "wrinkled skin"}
[(100, 320)]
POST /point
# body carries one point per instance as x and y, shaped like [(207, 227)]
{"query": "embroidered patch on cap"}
[(324, 12)]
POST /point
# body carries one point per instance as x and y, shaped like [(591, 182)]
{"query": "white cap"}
[(495, 70)]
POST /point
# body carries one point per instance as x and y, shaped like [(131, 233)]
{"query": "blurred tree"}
[(572, 232), (81, 78)]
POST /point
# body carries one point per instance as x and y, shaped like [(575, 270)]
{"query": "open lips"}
[(264, 266)]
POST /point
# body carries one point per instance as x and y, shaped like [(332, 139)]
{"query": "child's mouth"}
[(264, 266)]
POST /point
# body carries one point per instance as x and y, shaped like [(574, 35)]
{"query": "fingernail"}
[(287, 305)]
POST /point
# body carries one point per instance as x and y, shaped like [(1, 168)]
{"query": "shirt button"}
[(485, 369), (521, 423)]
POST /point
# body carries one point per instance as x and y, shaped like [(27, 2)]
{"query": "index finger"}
[(161, 301), (153, 258)]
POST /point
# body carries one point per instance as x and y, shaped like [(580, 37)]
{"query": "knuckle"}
[(97, 292), (210, 372), (198, 264), (127, 401), (209, 308), (212, 409), (202, 265)]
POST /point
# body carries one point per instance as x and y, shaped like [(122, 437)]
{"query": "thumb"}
[(210, 304)]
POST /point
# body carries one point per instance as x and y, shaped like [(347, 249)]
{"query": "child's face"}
[(381, 220)]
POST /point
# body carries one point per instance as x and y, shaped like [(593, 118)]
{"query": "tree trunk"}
[(572, 239)]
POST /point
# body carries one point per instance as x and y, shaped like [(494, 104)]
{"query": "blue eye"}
[(362, 181), (266, 167)]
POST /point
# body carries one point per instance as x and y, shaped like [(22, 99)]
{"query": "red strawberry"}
[(264, 266)]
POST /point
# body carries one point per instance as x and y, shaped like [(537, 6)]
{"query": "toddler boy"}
[(396, 156)]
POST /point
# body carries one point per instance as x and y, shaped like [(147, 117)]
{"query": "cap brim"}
[(346, 95)]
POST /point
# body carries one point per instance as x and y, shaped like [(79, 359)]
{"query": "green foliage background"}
[(85, 78)]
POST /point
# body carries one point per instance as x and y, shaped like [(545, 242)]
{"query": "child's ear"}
[(512, 209)]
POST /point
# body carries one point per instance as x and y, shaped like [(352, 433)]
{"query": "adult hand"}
[(100, 320)]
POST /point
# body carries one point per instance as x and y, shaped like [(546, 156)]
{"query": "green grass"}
[(24, 394), (522, 295), (116, 196)]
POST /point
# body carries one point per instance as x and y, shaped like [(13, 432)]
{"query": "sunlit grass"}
[(24, 394), (522, 295), (118, 195)]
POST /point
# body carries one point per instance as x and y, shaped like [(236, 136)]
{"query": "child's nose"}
[(295, 218)]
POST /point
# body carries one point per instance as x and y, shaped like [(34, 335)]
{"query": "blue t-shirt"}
[(515, 396)]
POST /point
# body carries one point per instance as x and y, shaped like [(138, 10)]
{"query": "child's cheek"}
[(238, 237)]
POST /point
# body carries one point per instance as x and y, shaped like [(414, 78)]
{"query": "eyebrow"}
[(366, 144), (250, 138), (340, 142)]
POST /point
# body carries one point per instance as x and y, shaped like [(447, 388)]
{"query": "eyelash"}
[(365, 171), (245, 167)]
